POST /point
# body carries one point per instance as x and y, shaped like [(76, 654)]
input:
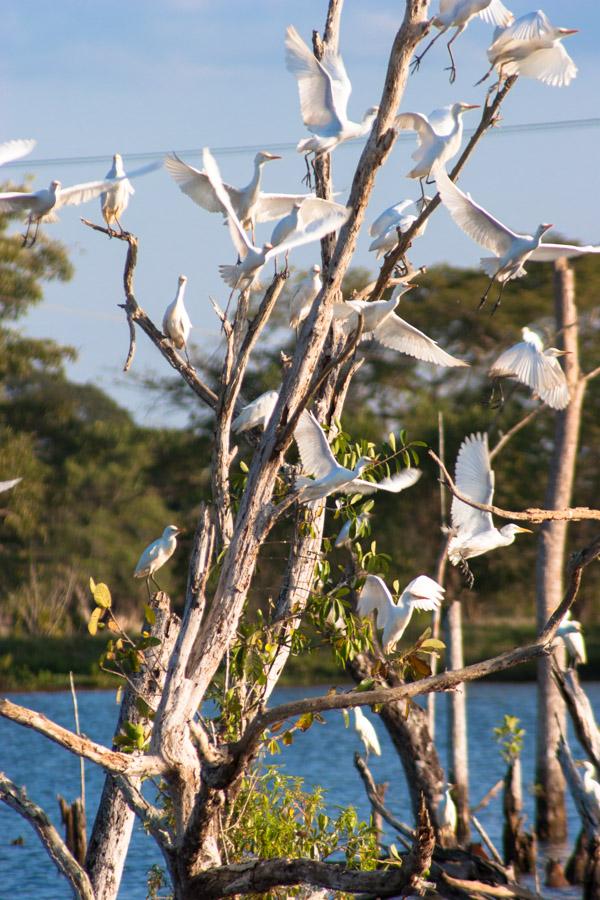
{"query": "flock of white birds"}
[(525, 46)]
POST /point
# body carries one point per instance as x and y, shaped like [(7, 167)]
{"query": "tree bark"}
[(551, 822), (458, 749), (518, 846)]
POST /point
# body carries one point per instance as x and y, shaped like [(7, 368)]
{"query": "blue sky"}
[(89, 79)]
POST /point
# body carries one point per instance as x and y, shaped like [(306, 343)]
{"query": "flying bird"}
[(251, 205), (389, 330), (510, 248), (15, 149), (324, 89), (536, 368), (531, 46), (7, 485), (422, 593), (457, 14), (157, 554), (255, 414), (570, 632), (366, 732), (350, 528), (304, 296), (176, 323), (329, 476), (392, 221), (439, 137), (473, 532)]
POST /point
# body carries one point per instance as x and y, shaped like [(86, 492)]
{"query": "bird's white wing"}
[(194, 183), (446, 6), (442, 121), (554, 390), (474, 478), (7, 485), (552, 66), (313, 231), (424, 593), (475, 221), (144, 170), (15, 201), (149, 554), (392, 484), (255, 413), (276, 206), (315, 208), (315, 452), (533, 26), (82, 193), (238, 235), (550, 252), (396, 334), (388, 218), (375, 596), (520, 361), (10, 150), (341, 86), (314, 84), (497, 14), (419, 123)]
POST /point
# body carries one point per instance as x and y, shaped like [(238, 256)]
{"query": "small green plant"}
[(510, 738)]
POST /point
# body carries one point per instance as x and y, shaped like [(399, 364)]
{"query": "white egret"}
[(255, 414), (531, 46), (389, 330), (115, 201), (7, 485), (324, 89), (457, 14), (329, 476), (366, 732), (251, 205), (176, 323), (590, 782), (15, 149), (422, 593), (42, 205), (473, 532), (535, 367), (304, 296), (351, 525), (439, 137), (448, 814), (302, 215), (252, 258), (570, 632), (385, 228), (510, 248), (157, 554), (551, 252)]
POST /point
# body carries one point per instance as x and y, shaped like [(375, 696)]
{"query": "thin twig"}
[(522, 423), (78, 731)]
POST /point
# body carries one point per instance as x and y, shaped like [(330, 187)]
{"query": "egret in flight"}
[(251, 205), (15, 149), (473, 532), (329, 476), (255, 414), (510, 248), (457, 14), (7, 485), (305, 295), (532, 46), (439, 137), (385, 228), (570, 632), (157, 554), (176, 322), (389, 330), (536, 368), (324, 89), (422, 593), (366, 732)]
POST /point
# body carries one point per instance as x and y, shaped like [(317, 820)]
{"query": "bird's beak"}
[(182, 531), (563, 352), (272, 156), (410, 287), (472, 106), (528, 530), (566, 31)]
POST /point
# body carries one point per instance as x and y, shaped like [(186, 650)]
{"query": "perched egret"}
[(473, 531), (157, 554), (532, 47), (7, 485), (590, 782), (535, 367), (115, 201), (457, 14), (366, 732), (324, 89), (255, 414), (305, 295), (389, 330), (252, 258), (570, 631), (422, 593), (42, 205), (329, 476), (385, 228), (176, 322), (251, 205), (345, 536), (448, 814), (15, 149), (511, 249), (302, 215), (439, 137)]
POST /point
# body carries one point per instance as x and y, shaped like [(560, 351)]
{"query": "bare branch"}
[(580, 709), (66, 863), (149, 815), (373, 797), (522, 423)]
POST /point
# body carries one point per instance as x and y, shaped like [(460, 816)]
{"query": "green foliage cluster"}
[(510, 738)]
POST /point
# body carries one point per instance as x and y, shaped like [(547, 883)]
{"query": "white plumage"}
[(176, 321), (385, 228), (157, 553), (344, 536), (257, 413), (329, 476), (551, 252), (15, 149), (590, 782), (422, 593), (570, 632), (439, 136), (473, 530), (304, 296), (7, 485), (448, 814), (535, 367), (114, 202), (366, 732)]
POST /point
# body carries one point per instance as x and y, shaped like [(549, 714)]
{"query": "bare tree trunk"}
[(551, 822), (518, 847), (458, 751)]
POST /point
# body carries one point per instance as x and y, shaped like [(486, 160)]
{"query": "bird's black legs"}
[(452, 67), (416, 62), (156, 582), (499, 299), (485, 77), (308, 178), (466, 573), (27, 240), (486, 292), (496, 398)]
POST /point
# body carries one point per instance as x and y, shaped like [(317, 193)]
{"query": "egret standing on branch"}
[(305, 295), (387, 228), (176, 322), (115, 201), (536, 368), (422, 593), (366, 732), (570, 631), (157, 554), (473, 532)]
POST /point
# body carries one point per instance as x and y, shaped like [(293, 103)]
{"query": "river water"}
[(322, 755)]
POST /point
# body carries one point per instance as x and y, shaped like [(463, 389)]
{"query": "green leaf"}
[(367, 684), (94, 620), (243, 466), (432, 644), (101, 594), (392, 440)]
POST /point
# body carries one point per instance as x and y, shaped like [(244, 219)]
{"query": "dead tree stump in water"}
[(73, 818)]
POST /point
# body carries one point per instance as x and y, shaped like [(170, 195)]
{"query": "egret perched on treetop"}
[(422, 593), (535, 367), (510, 248), (366, 732), (473, 532), (115, 201), (157, 554), (305, 295), (176, 322), (329, 476)]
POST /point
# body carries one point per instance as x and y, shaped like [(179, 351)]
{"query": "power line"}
[(238, 150)]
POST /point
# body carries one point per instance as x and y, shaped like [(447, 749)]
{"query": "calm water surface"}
[(323, 755)]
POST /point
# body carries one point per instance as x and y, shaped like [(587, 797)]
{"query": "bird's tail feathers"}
[(489, 264), (231, 275)]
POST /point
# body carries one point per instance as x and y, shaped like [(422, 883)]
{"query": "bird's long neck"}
[(366, 124), (179, 296), (253, 187)]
